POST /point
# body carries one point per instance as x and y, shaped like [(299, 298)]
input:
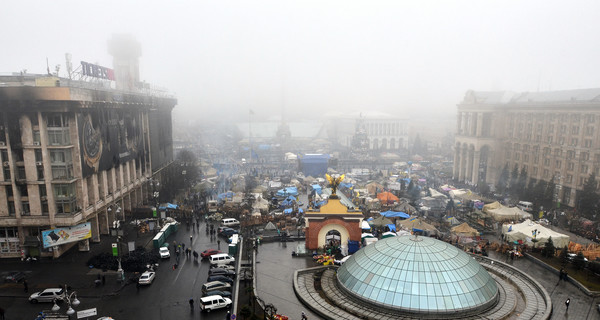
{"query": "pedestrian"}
[(219, 244), (190, 239), (183, 246), (304, 317), (1, 314), (103, 279), (228, 315), (192, 303), (567, 303), (25, 285)]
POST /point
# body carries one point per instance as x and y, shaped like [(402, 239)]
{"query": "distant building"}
[(549, 134), (384, 132), (75, 152)]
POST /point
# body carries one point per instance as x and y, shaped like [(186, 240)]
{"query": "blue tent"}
[(317, 188), (300, 210), (392, 227), (225, 195), (345, 185), (288, 191), (287, 211), (394, 214), (169, 206)]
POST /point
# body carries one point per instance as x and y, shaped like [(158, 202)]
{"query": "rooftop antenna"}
[(48, 67), (69, 64)]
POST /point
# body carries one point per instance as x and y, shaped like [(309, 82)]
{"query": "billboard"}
[(109, 137), (58, 236)]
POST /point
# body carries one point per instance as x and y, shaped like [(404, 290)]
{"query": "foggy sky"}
[(401, 57)]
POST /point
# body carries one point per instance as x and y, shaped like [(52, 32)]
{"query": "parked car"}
[(222, 293), (222, 266), (228, 233), (215, 285), (221, 272), (147, 277), (214, 302), (47, 295), (164, 252), (220, 278), (572, 256), (209, 252), (14, 276)]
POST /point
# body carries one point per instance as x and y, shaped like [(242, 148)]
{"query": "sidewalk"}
[(47, 272)]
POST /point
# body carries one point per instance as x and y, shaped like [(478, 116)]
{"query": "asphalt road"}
[(166, 298)]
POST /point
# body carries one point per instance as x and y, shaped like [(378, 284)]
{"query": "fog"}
[(223, 58)]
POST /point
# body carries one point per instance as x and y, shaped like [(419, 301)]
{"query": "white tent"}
[(261, 204), (505, 214), (524, 231)]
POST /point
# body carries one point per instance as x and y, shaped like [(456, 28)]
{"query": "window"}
[(11, 209), (561, 140), (589, 131), (536, 159), (546, 151), (590, 118), (575, 130), (58, 137), (547, 161), (536, 149), (587, 143), (570, 154), (558, 164), (525, 157), (57, 120), (563, 129), (25, 206), (38, 155), (517, 156), (546, 173), (585, 156), (551, 128), (584, 168), (535, 171), (43, 192), (40, 173), (558, 152), (549, 139), (60, 156), (574, 142), (65, 198), (571, 166), (63, 172), (21, 173), (23, 192)]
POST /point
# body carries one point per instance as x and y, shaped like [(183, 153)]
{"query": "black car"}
[(14, 276), (225, 279), (224, 294), (221, 272), (228, 232)]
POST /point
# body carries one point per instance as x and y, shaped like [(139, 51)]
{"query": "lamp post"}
[(72, 301)]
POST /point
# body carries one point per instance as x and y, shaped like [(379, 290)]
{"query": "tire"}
[(208, 310), (34, 301)]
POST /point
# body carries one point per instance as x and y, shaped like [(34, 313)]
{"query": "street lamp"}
[(118, 210), (72, 301)]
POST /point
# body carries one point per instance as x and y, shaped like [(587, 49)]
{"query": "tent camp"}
[(524, 232), (505, 214), (464, 230)]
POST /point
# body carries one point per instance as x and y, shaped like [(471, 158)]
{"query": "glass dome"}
[(418, 274)]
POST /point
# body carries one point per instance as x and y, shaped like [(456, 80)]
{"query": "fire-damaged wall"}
[(109, 137), (161, 132)]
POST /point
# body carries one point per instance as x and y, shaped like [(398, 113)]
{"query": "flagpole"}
[(249, 135)]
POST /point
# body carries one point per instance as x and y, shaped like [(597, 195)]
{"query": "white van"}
[(214, 302), (229, 222), (525, 206), (221, 258), (213, 206)]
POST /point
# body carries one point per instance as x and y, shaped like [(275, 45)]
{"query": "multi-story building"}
[(75, 153), (549, 134)]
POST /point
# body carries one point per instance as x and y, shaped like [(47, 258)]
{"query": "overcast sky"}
[(401, 57)]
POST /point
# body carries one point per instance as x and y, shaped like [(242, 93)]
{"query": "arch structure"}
[(332, 216)]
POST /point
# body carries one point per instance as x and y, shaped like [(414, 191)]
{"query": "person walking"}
[(103, 279), (190, 240), (25, 285), (228, 315), (2, 314), (567, 303), (192, 303), (304, 317)]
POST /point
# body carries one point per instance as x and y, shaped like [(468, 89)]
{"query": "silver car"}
[(48, 295)]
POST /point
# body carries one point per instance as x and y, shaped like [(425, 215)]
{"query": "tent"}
[(317, 188), (374, 187), (394, 214), (365, 225), (287, 211), (380, 221), (270, 226), (452, 221), (392, 227), (464, 230), (387, 197), (367, 235), (261, 204), (524, 232), (417, 224), (388, 234), (505, 214), (491, 206), (288, 191), (169, 206)]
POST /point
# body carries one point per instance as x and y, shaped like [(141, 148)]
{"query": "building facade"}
[(74, 152), (549, 134)]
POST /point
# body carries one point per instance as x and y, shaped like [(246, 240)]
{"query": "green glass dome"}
[(418, 274)]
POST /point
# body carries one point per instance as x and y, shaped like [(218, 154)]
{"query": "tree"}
[(483, 188), (529, 193), (502, 180), (563, 256), (521, 181), (413, 191), (548, 198), (190, 172), (589, 198), (538, 192), (579, 261), (514, 181), (549, 249)]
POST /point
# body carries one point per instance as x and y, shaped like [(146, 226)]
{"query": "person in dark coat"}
[(567, 303), (25, 285)]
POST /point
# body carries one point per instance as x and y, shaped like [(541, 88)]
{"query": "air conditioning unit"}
[(6, 164), (38, 163), (36, 143), (2, 143)]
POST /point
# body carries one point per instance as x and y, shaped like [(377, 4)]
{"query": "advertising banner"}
[(58, 236)]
